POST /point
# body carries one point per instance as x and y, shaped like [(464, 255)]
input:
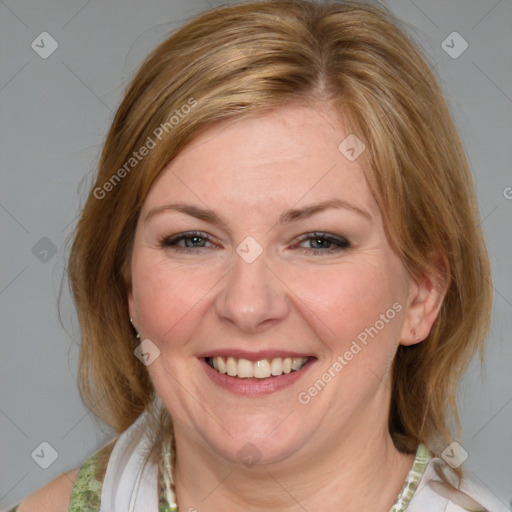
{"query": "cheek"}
[(359, 314), (349, 298), (169, 298)]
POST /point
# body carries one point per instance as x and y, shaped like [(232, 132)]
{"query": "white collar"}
[(131, 480)]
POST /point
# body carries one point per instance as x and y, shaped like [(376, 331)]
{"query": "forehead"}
[(289, 156)]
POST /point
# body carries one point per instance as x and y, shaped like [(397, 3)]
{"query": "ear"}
[(426, 297)]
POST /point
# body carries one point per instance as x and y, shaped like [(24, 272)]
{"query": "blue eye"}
[(323, 243), (320, 243), (193, 240)]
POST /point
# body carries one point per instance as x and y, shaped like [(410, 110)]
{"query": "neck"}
[(363, 472)]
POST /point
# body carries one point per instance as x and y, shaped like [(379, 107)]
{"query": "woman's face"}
[(287, 276)]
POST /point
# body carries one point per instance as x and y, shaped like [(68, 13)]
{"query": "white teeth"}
[(245, 369), (222, 365), (231, 367), (262, 369), (296, 364), (276, 367)]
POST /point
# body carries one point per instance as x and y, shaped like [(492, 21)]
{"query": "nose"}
[(253, 297)]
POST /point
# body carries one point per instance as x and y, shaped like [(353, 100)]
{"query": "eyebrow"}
[(287, 217)]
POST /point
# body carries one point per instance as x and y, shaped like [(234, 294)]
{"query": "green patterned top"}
[(421, 460), (87, 490), (86, 495)]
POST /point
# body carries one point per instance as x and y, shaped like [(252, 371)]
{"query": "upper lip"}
[(252, 356)]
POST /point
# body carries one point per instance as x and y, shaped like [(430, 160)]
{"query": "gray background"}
[(54, 116)]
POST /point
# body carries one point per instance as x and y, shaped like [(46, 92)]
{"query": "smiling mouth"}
[(261, 369)]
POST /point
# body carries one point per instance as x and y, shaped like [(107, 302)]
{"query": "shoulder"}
[(53, 497), (78, 489)]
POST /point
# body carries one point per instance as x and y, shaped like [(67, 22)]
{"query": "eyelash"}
[(340, 243)]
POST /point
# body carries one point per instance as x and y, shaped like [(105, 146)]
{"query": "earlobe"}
[(425, 302)]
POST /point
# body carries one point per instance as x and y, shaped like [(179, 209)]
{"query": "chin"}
[(258, 442)]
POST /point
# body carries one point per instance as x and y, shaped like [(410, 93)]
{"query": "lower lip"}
[(255, 387)]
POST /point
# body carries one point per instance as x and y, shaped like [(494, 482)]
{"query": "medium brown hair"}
[(241, 61)]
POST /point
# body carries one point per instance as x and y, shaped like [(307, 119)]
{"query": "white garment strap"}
[(131, 482), (427, 499)]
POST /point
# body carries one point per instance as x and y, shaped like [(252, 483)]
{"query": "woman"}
[(279, 274)]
